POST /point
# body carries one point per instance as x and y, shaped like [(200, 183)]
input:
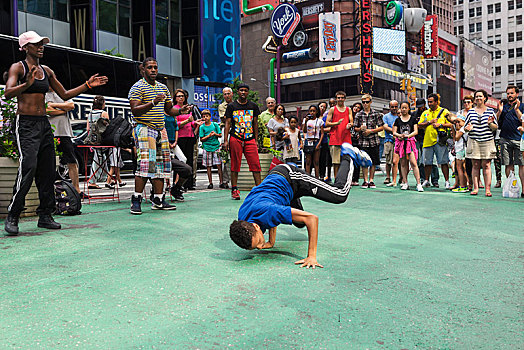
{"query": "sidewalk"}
[(403, 270)]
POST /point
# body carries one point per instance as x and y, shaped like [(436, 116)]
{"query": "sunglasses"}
[(366, 101), (467, 101), (180, 96)]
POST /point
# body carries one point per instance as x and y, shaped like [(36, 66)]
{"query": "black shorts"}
[(373, 154), (68, 151)]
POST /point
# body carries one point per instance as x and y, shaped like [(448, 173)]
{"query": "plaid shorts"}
[(210, 158), (153, 157)]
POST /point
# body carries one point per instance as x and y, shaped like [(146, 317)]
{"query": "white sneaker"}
[(420, 188), (404, 186), (448, 186), (391, 184), (425, 183)]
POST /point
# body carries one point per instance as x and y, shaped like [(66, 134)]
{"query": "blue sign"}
[(220, 40), (204, 98), (299, 55), (284, 20)]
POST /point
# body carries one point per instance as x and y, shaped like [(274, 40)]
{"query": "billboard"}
[(430, 37), (204, 98), (389, 41), (329, 29), (477, 67), (366, 47), (448, 54), (220, 40)]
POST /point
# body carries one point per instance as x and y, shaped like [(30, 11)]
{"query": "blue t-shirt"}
[(389, 119), (212, 144), (268, 204), (325, 139), (509, 122), (171, 127)]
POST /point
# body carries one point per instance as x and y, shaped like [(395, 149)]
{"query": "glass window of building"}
[(490, 8), (511, 5), (490, 40), (490, 24), (519, 36), (498, 55), (471, 12), (498, 39), (56, 9), (511, 53), (519, 4), (518, 52), (461, 14), (479, 11), (168, 23), (115, 16), (511, 37), (461, 30), (497, 23), (472, 27), (511, 69), (519, 68), (518, 19), (498, 70), (479, 27), (497, 7)]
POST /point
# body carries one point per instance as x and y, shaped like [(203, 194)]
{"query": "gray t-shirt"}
[(275, 125), (61, 123)]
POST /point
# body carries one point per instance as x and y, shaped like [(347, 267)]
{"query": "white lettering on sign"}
[(428, 37), (282, 22), (312, 9)]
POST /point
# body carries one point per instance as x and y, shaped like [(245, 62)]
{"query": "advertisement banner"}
[(366, 47), (284, 20), (220, 40), (204, 98), (477, 67), (330, 48), (448, 54), (414, 63), (430, 37), (310, 10)]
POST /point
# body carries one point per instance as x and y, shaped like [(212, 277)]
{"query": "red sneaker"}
[(235, 194)]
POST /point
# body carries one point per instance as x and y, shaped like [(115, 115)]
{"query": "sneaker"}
[(111, 186), (365, 185), (435, 185), (448, 186), (420, 188), (210, 186), (47, 221), (161, 204), (136, 205), (11, 225), (354, 183), (372, 185), (460, 190), (391, 184), (498, 184), (176, 193), (235, 194), (387, 181), (360, 157), (425, 183), (404, 187), (224, 185), (84, 195)]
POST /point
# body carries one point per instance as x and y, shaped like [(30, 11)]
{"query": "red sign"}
[(430, 37), (446, 46), (366, 47)]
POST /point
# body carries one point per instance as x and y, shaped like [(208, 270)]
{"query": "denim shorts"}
[(441, 152)]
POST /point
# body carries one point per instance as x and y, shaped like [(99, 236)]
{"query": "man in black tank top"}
[(29, 81)]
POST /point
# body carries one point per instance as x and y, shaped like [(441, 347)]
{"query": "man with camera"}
[(509, 117)]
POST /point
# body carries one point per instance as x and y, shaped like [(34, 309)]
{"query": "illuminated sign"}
[(430, 37), (299, 55), (394, 12), (366, 47), (329, 33), (284, 20)]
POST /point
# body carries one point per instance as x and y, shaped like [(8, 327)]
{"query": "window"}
[(115, 16), (461, 30), (498, 70), (519, 4), (497, 23), (490, 8), (490, 24), (511, 4), (511, 37), (518, 52), (518, 19), (498, 39), (511, 53), (511, 21), (497, 7), (472, 27), (56, 9), (461, 14), (471, 13), (498, 55), (519, 36), (168, 23), (490, 40), (454, 16), (479, 11), (511, 69), (479, 27), (519, 68), (460, 2)]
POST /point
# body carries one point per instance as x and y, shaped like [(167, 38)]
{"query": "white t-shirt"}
[(313, 128), (461, 144)]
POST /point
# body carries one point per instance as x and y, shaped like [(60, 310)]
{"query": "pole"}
[(434, 75), (278, 74)]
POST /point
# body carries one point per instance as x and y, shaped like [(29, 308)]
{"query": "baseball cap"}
[(31, 37), (421, 102)]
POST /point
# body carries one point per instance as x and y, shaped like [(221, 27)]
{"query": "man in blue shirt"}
[(277, 201), (389, 142), (509, 117)]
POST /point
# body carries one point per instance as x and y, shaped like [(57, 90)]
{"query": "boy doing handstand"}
[(277, 201)]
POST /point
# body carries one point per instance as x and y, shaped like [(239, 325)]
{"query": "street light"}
[(266, 85)]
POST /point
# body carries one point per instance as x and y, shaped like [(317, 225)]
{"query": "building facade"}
[(496, 26)]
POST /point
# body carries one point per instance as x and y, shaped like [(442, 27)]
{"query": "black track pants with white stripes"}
[(37, 161), (304, 184)]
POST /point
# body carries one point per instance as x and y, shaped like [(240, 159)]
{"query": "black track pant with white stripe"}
[(304, 184), (37, 161)]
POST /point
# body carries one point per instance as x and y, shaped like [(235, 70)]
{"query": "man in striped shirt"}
[(149, 100)]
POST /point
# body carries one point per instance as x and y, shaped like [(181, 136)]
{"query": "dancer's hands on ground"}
[(267, 245), (308, 262), (97, 80)]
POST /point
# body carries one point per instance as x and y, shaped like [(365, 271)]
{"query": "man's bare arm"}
[(311, 221)]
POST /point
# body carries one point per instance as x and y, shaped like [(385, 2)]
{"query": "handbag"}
[(442, 135), (309, 146)]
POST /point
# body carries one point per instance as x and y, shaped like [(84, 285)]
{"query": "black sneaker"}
[(210, 186), (364, 185), (161, 204), (372, 185), (47, 221), (224, 185), (11, 225), (136, 205), (176, 193)]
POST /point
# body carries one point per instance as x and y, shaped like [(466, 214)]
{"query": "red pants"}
[(250, 150)]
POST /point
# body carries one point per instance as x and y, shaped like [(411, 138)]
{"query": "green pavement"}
[(403, 270)]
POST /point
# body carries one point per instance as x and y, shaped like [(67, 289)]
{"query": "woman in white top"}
[(313, 129), (278, 122), (480, 123)]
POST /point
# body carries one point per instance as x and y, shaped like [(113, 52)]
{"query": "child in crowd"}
[(405, 129), (313, 128), (461, 139), (293, 135), (209, 134)]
